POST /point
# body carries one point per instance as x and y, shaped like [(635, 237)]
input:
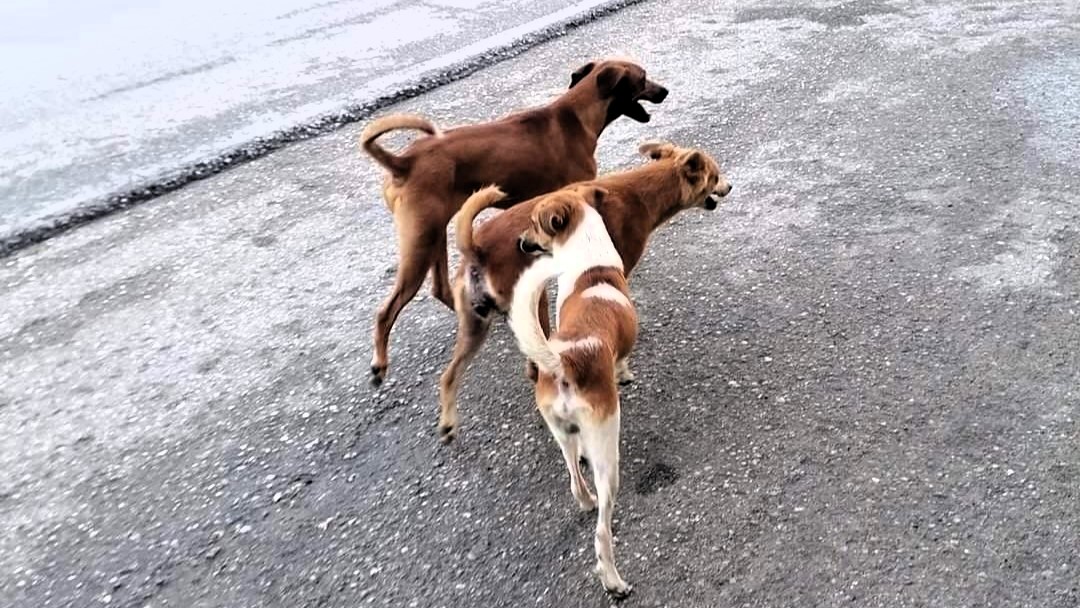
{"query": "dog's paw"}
[(587, 504), (619, 594), (447, 432), (617, 588), (378, 374)]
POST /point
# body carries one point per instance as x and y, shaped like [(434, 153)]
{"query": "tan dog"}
[(638, 201), (527, 154), (577, 391)]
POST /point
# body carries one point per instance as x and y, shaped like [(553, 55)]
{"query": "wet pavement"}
[(857, 381)]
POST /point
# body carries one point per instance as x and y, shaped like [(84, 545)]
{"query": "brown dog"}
[(526, 154), (638, 201)]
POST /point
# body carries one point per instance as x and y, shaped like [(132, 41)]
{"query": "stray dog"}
[(527, 154), (577, 391), (638, 201)]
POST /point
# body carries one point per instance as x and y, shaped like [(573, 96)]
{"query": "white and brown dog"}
[(577, 390)]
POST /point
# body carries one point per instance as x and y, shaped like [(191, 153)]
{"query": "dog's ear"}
[(593, 195), (598, 195), (657, 150), (611, 80), (580, 73), (553, 216), (693, 165)]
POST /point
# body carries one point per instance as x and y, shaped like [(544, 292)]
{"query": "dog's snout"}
[(724, 189), (656, 93)]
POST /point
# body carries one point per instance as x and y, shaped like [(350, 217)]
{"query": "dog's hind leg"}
[(471, 333), (601, 443), (417, 241), (440, 275), (567, 435)]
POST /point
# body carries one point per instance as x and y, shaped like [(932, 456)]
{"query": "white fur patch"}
[(561, 346), (588, 247), (606, 291)]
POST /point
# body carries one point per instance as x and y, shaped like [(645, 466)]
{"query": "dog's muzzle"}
[(713, 200), (653, 93)]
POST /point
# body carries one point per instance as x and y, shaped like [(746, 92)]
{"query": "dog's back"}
[(523, 153), (598, 315), (494, 245), (639, 200)]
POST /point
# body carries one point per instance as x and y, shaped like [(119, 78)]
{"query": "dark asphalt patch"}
[(658, 475)]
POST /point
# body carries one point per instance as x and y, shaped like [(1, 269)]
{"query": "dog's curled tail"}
[(480, 200), (524, 321), (393, 163)]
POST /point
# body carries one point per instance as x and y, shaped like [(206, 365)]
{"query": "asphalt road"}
[(857, 381), (103, 96)]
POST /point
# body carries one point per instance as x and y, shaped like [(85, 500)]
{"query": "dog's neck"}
[(664, 194), (589, 246), (584, 101), (655, 195)]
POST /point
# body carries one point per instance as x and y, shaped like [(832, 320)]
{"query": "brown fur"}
[(637, 202), (474, 206), (396, 165), (526, 154), (613, 323)]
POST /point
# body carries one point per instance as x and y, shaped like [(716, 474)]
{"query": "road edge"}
[(501, 47)]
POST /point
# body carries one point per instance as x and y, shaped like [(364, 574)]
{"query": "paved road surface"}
[(100, 96), (857, 382)]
